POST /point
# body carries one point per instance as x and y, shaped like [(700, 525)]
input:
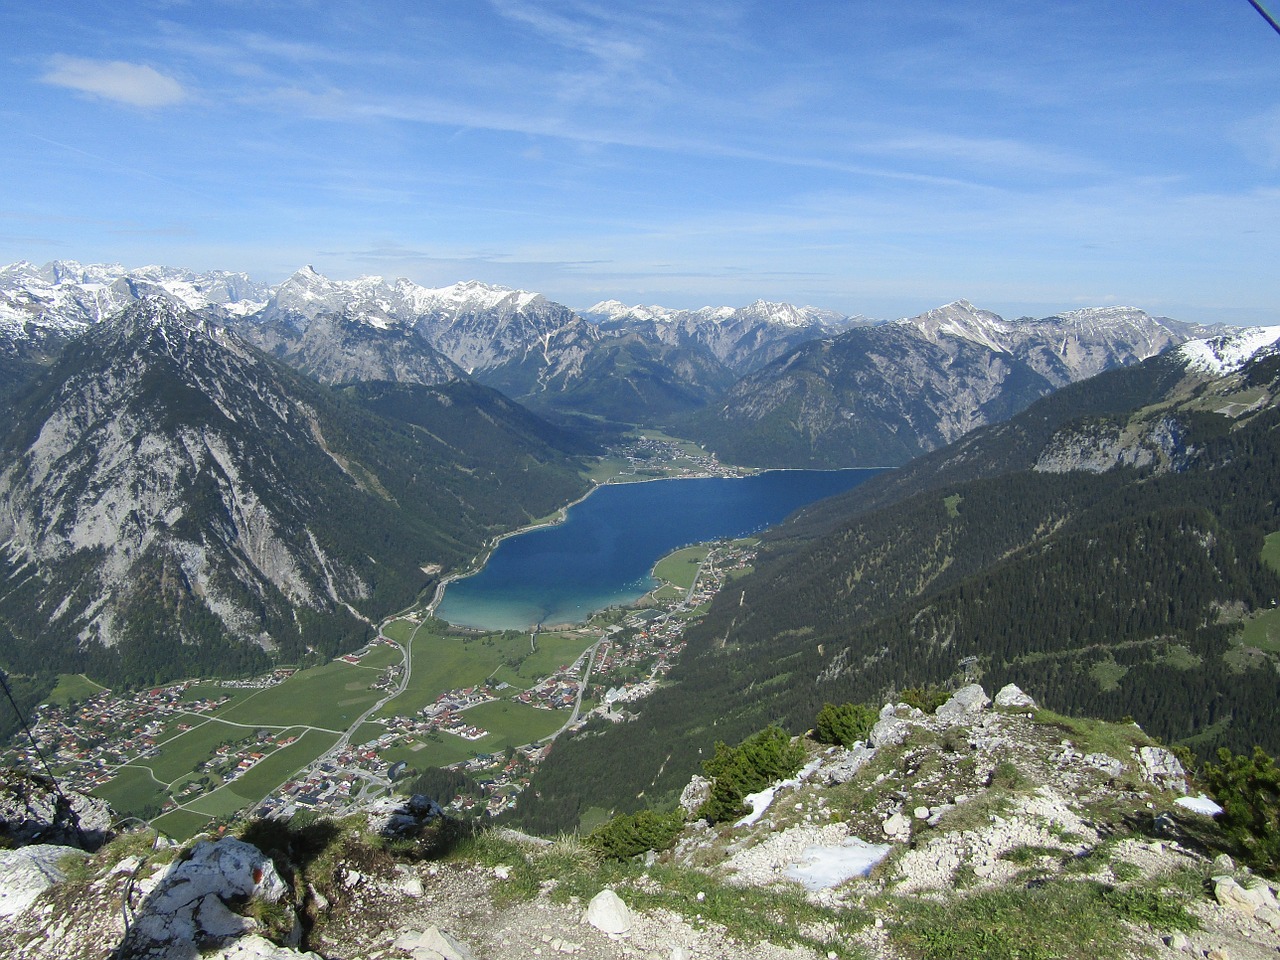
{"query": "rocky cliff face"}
[(979, 830), (169, 487)]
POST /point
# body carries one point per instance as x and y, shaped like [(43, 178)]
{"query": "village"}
[(91, 741)]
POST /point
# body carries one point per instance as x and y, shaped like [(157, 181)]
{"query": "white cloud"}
[(134, 84)]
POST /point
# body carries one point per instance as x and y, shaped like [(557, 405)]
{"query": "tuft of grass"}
[(1051, 919)]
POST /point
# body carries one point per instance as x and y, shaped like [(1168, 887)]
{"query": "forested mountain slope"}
[(174, 502), (1104, 547)]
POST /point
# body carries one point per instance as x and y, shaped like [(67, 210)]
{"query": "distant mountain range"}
[(768, 384)]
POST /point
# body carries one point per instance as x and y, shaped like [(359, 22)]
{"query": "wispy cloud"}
[(133, 84)]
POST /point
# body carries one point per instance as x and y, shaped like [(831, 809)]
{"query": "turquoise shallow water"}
[(604, 551)]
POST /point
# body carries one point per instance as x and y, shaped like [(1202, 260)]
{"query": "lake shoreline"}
[(566, 571)]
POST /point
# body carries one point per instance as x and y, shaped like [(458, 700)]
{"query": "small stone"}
[(608, 914), (896, 826), (1223, 865), (701, 896), (1218, 953), (1178, 941), (502, 871), (921, 813)]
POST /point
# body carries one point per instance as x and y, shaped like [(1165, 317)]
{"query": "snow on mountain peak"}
[(1219, 356)]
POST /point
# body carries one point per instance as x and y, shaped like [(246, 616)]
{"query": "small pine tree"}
[(751, 766), (845, 724), (1248, 790)]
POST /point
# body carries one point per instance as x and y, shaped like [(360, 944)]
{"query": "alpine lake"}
[(603, 552)]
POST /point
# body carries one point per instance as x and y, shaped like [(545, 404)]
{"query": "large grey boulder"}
[(395, 817), (1011, 697), (27, 871), (889, 732), (189, 904), (432, 944), (34, 810), (1162, 769), (842, 767), (965, 703), (695, 794)]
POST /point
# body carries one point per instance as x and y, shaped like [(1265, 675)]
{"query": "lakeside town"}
[(177, 751)]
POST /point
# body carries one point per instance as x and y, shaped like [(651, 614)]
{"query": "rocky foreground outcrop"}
[(1062, 837)]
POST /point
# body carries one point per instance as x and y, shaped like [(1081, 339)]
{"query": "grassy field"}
[(512, 724), (399, 630), (1271, 552), (448, 663), (381, 657), (180, 824), (330, 696), (681, 568), (555, 650), (180, 755), (72, 687), (280, 766), (1263, 632), (265, 776), (439, 751), (132, 789)]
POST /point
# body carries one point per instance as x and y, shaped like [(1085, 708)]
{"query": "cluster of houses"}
[(87, 740), (501, 777), (556, 692)]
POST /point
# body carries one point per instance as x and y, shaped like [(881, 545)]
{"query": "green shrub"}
[(928, 698), (748, 768), (630, 834), (1248, 790), (846, 724)]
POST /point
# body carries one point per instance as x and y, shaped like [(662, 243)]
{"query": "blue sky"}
[(877, 158)]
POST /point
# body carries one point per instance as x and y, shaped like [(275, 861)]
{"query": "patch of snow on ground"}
[(759, 803), (1200, 804), (821, 867)]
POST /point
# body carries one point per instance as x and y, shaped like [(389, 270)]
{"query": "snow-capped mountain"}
[(1221, 355), (885, 394), (1062, 348), (64, 296), (742, 338)]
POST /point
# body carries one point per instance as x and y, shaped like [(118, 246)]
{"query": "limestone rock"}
[(1104, 762), (695, 794), (403, 818), (432, 944), (964, 704), (845, 764), (896, 827), (32, 810), (607, 913), (26, 872), (1162, 769), (254, 947), (1235, 897), (1011, 697), (189, 905), (889, 732)]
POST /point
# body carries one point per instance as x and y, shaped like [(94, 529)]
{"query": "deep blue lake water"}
[(604, 551)]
